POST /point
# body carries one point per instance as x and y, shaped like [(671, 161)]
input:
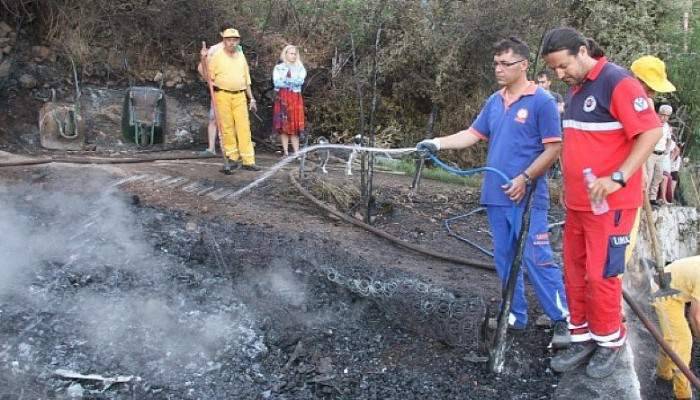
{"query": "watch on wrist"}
[(618, 177), (528, 180)]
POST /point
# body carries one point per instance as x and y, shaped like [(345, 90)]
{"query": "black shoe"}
[(569, 359), (603, 362), (252, 167), (561, 337), (230, 167), (664, 385)]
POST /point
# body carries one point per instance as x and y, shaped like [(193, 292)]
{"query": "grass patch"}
[(408, 166)]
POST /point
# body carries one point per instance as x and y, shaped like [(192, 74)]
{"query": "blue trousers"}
[(542, 272)]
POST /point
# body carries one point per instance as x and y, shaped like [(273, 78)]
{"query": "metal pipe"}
[(498, 350), (372, 113), (415, 185)]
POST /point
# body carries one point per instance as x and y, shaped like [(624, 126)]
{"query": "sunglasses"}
[(506, 64)]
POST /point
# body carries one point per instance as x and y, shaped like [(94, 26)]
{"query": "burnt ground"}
[(264, 297), (258, 298)]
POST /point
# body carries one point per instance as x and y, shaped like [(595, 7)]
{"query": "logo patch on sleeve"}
[(640, 104), (589, 104)]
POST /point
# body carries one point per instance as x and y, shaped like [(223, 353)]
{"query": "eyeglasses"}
[(506, 64), (541, 82)]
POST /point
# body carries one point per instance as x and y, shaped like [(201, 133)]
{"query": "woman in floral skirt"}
[(288, 108)]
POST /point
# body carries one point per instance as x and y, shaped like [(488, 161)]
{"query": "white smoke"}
[(78, 252)]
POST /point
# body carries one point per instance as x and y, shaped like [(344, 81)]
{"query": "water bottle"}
[(598, 207)]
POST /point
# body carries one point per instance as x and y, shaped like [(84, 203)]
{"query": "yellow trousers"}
[(232, 112), (671, 313), (634, 233)]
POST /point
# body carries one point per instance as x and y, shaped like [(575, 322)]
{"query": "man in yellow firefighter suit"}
[(230, 76), (685, 277)]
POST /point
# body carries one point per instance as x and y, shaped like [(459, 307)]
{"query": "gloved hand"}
[(428, 146)]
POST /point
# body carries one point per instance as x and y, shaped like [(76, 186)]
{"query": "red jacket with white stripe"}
[(603, 116)]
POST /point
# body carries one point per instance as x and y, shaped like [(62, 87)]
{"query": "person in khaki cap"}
[(685, 277), (212, 128), (230, 76), (651, 72)]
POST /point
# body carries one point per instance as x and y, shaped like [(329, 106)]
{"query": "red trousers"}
[(594, 259)]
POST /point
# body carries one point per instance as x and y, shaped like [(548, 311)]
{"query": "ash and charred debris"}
[(148, 297)]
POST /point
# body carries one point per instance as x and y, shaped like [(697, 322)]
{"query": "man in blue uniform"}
[(520, 122)]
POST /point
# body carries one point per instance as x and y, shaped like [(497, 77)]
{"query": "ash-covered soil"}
[(180, 306)]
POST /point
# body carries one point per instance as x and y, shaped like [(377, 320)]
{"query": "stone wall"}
[(677, 230), (102, 110)]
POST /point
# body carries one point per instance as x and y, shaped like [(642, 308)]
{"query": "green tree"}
[(628, 29), (684, 73)]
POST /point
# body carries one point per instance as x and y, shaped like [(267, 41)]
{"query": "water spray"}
[(287, 160)]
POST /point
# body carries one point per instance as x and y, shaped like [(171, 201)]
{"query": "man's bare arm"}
[(459, 140), (516, 191), (253, 104), (200, 69), (641, 150), (203, 53), (545, 160)]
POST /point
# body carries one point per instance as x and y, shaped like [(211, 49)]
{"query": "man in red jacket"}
[(610, 128)]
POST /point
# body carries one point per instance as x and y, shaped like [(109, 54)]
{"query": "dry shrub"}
[(433, 54), (342, 196), (99, 34)]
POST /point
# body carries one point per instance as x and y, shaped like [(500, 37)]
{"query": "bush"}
[(433, 57)]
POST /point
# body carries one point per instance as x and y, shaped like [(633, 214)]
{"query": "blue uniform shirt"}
[(516, 131)]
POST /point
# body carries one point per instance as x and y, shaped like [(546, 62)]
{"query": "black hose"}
[(89, 160), (391, 238), (450, 232)]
